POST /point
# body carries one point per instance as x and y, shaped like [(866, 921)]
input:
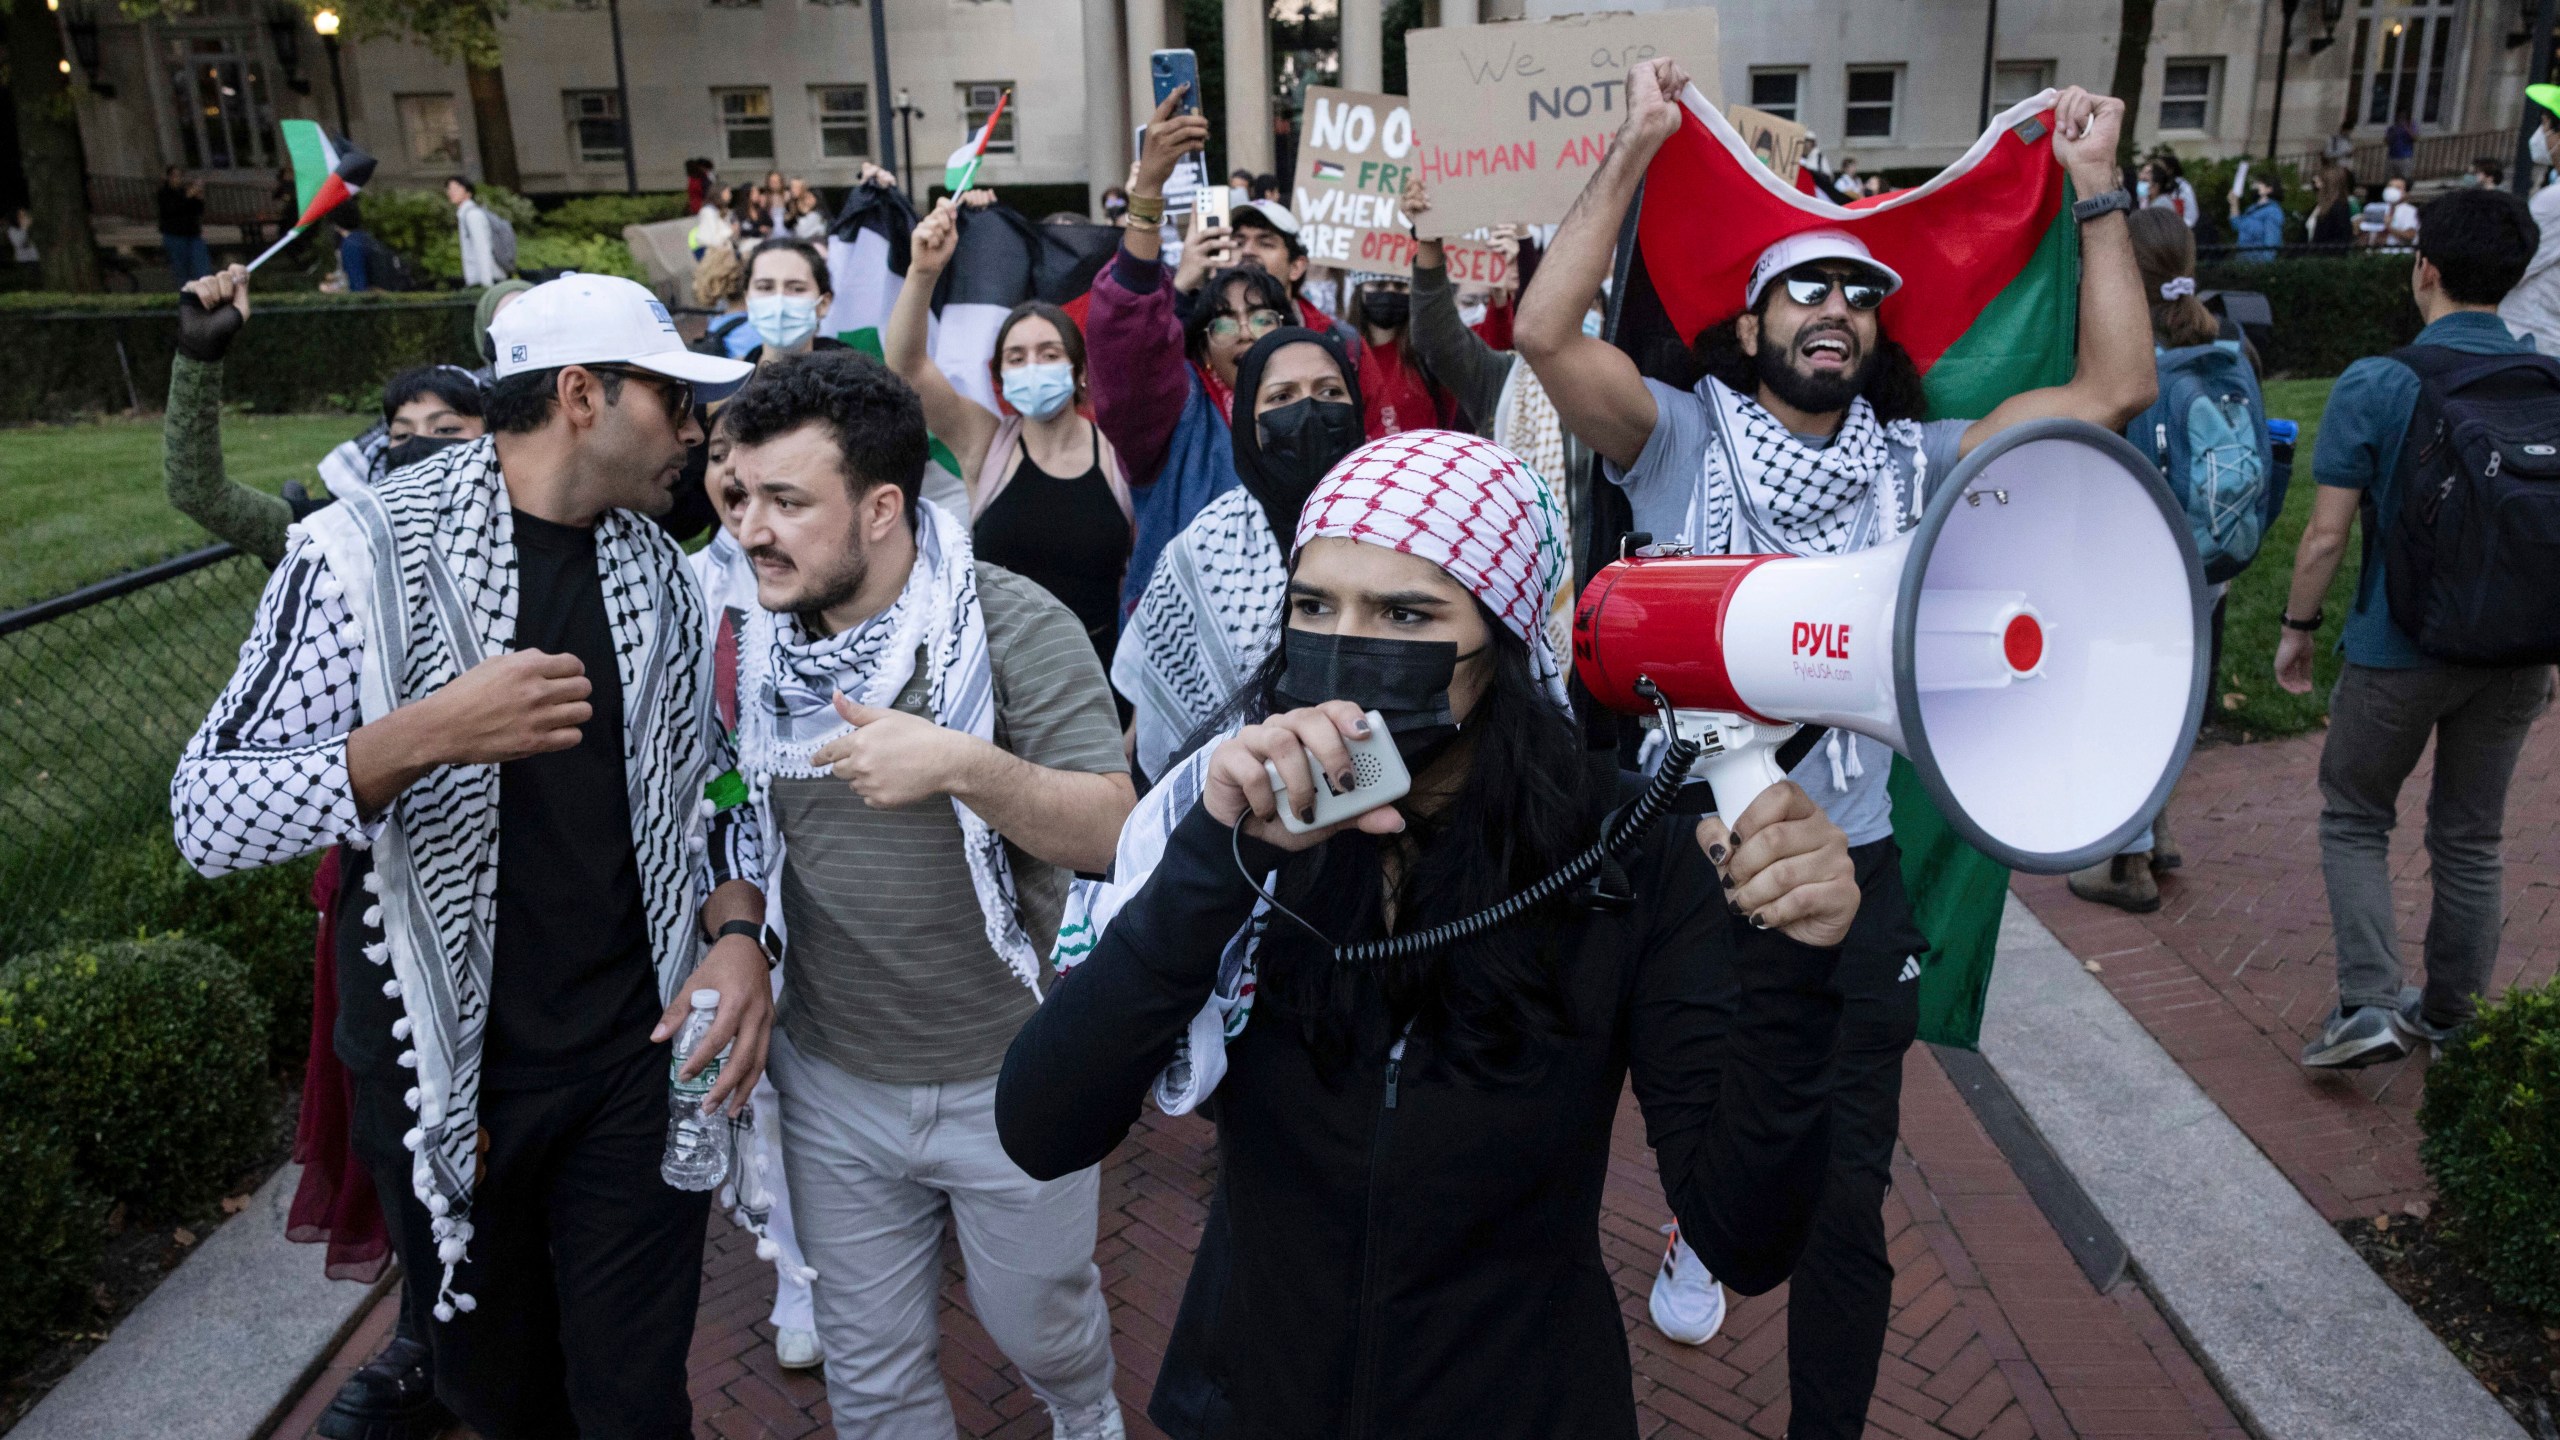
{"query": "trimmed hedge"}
[(2330, 311), (49, 1238), (2491, 1120), (62, 356), (601, 217), (150, 1055), (261, 918)]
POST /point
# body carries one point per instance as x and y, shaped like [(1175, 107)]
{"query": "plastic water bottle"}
[(697, 1155)]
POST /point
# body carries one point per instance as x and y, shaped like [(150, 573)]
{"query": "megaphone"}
[(2035, 646)]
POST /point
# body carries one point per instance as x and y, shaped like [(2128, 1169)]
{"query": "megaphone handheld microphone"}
[(2034, 645)]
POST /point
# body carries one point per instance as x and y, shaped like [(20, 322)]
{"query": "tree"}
[(49, 149), (2133, 56)]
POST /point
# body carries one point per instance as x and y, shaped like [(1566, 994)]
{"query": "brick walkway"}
[(1995, 1332), (2235, 971)]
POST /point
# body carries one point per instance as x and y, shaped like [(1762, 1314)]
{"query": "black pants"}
[(587, 1267), (1841, 1294)]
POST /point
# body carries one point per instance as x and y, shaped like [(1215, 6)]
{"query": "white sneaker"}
[(1687, 1304), (1088, 1422), (796, 1349)]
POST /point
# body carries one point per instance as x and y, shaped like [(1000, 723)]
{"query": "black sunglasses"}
[(1810, 289), (678, 394)]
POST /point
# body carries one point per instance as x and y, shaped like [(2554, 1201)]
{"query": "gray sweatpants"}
[(2379, 721), (872, 1169)]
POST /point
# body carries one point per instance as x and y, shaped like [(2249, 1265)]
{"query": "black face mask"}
[(1405, 681), (414, 449), (1386, 309), (1302, 440)]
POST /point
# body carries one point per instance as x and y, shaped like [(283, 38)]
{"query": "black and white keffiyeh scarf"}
[(1209, 615), (787, 681), (1769, 493), (426, 565)]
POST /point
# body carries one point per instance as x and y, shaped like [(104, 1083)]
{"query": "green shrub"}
[(2491, 1119), (150, 1055), (2330, 310), (543, 250), (62, 356), (261, 918), (602, 217), (49, 1236)]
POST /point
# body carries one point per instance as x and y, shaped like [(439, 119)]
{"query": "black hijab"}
[(1280, 496)]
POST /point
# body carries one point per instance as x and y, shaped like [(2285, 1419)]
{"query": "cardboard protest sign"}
[(1353, 161), (1777, 142), (1513, 118)]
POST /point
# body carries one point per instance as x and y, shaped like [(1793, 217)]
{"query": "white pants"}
[(871, 1170), (790, 1292)]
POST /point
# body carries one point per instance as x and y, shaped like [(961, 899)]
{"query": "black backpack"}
[(2470, 555)]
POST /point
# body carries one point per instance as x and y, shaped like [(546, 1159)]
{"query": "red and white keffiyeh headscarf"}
[(1466, 505)]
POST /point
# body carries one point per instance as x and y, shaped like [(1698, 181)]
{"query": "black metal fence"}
[(99, 691)]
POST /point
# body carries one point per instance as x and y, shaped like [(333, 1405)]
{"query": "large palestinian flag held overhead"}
[(1989, 306)]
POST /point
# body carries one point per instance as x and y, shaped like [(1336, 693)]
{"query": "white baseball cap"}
[(1805, 246), (600, 320), (1269, 214)]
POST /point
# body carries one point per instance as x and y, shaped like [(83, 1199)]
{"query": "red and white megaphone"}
[(2035, 647)]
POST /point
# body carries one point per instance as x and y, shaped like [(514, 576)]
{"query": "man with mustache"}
[(1804, 438)]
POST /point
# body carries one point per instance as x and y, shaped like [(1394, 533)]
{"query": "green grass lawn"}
[(2246, 700), (79, 503)]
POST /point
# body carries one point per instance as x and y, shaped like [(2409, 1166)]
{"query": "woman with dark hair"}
[(2259, 225), (1404, 1238), (1210, 612), (788, 293), (1046, 496)]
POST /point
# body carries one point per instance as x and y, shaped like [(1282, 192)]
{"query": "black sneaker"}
[(393, 1397)]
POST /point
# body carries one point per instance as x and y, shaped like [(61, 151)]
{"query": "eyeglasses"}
[(1811, 289), (1254, 326), (678, 394)]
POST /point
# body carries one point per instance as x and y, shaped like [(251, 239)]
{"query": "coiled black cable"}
[(1631, 825)]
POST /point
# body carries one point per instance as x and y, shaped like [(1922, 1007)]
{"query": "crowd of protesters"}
[(965, 812)]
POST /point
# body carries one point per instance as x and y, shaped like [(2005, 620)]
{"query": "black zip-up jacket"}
[(1403, 1253)]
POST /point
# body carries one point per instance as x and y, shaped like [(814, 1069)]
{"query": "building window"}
[(977, 101), (431, 127), (841, 114), (595, 126), (1780, 92), (2409, 42), (225, 118), (746, 122), (1873, 92), (2189, 90), (2016, 80)]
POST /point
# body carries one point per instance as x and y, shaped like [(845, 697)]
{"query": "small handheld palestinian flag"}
[(1989, 306), (327, 172), (961, 170)]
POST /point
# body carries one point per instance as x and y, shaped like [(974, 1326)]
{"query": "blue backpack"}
[(2208, 434)]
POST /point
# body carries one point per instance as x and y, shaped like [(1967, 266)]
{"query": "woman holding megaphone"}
[(1404, 1239)]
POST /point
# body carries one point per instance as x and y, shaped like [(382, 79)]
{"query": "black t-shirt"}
[(573, 990)]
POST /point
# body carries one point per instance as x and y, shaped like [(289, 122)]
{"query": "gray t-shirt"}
[(1845, 774), (890, 976)]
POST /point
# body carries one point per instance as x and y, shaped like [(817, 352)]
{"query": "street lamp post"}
[(622, 100), (2284, 52), (325, 22), (908, 113)]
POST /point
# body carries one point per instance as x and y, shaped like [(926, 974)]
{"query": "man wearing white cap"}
[(1804, 438), (488, 677)]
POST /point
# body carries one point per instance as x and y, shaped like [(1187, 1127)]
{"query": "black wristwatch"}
[(753, 930), (2103, 204), (2309, 625)]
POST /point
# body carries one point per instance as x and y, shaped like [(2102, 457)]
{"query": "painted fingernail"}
[(1727, 879), (1717, 853), (1760, 919), (1362, 729), (1344, 782)]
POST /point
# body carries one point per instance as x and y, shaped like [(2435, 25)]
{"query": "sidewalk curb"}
[(2298, 1332), (222, 1349)]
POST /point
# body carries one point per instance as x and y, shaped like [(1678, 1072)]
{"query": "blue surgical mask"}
[(1591, 323), (1040, 391), (2142, 189), (783, 321)]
